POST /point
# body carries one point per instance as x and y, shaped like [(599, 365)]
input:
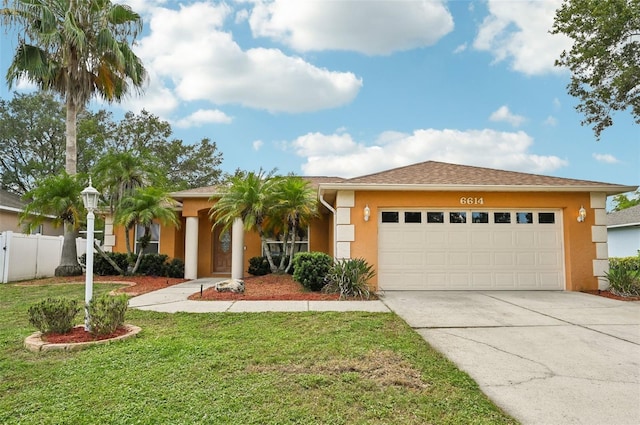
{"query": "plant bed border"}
[(35, 343)]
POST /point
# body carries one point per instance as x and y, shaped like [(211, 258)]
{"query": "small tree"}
[(58, 196), (141, 208)]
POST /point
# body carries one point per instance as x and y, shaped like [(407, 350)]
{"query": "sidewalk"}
[(174, 299)]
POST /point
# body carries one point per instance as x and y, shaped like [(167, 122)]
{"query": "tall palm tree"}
[(78, 49), (296, 205), (57, 196), (247, 196), (141, 208)]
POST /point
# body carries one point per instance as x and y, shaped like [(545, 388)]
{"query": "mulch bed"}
[(608, 294), (78, 334), (268, 287)]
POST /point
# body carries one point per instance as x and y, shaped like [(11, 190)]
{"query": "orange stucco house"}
[(427, 226)]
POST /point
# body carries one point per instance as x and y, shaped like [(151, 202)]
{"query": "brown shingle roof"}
[(439, 173)]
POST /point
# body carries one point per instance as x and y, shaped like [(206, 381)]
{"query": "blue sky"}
[(346, 88)]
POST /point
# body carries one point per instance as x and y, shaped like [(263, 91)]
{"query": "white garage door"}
[(470, 250)]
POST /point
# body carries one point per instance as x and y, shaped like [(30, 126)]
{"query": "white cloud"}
[(204, 116), (461, 48), (341, 155), (550, 121), (188, 53), (606, 158), (518, 31), (371, 27), (504, 114), (257, 145)]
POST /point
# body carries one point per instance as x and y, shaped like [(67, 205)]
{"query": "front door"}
[(221, 251)]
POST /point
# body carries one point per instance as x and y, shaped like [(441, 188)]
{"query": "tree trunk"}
[(71, 150), (294, 231), (267, 250), (69, 265)]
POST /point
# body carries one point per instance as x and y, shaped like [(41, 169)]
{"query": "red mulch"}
[(138, 285), (608, 294), (78, 334), (268, 287)]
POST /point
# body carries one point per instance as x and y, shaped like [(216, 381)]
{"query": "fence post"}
[(5, 246)]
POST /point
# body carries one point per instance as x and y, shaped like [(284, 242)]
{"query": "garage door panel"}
[(498, 256)]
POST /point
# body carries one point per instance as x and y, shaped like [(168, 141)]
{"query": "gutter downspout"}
[(335, 224)]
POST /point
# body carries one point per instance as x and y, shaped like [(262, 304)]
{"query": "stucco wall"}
[(9, 221)]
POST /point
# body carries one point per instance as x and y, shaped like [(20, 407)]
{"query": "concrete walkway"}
[(174, 299), (544, 357)]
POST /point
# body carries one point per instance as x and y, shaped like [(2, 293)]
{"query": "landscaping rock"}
[(230, 285)]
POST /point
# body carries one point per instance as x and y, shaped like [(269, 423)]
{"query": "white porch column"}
[(237, 249), (191, 248)]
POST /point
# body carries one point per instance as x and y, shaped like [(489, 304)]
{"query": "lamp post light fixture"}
[(90, 200)]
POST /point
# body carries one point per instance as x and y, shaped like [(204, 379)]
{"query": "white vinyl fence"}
[(31, 256)]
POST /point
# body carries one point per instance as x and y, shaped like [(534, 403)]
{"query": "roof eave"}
[(609, 190)]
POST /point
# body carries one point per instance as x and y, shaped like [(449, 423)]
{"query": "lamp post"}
[(90, 200)]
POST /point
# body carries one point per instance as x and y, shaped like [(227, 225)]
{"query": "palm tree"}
[(296, 205), (77, 49), (247, 196), (57, 196), (141, 208), (119, 174)]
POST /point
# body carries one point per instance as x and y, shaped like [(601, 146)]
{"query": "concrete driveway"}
[(543, 357)]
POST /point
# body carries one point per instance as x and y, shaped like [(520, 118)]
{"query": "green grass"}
[(254, 368)]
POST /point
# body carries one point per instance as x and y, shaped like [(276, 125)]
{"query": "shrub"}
[(631, 263), (624, 278), (310, 269), (349, 278), (174, 268), (106, 313), (259, 266), (152, 265), (54, 315), (101, 267)]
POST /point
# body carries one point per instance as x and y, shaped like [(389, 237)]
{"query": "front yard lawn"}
[(253, 368)]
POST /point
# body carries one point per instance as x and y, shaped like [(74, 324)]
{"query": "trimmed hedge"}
[(106, 313), (54, 315), (259, 266), (150, 265), (311, 268)]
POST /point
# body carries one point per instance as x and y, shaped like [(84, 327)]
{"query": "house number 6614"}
[(469, 200)]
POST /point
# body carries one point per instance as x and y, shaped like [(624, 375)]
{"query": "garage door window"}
[(390, 217), (524, 217), (413, 217), (457, 217), (479, 217), (546, 218), (502, 217), (435, 217)]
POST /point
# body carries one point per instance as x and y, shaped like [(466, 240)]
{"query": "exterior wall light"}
[(582, 214), (367, 212)]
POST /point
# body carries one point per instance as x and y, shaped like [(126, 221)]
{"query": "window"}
[(457, 217), (502, 217), (524, 217), (38, 230), (390, 217), (435, 217), (479, 217), (301, 243), (546, 218), (154, 242), (412, 217)]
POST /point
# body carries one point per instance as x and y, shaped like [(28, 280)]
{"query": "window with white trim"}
[(154, 242), (301, 243)]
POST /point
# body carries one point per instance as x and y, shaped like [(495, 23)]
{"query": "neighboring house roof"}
[(10, 201), (443, 176), (623, 218)]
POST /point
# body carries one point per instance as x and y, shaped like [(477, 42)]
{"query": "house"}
[(10, 208), (427, 226), (623, 229)]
